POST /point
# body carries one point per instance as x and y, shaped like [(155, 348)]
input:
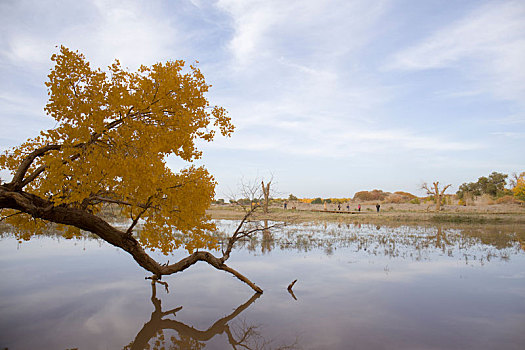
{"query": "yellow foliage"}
[(519, 189), (114, 131)]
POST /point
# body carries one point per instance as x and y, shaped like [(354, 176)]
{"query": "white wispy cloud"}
[(341, 141), (294, 66), (510, 134), (133, 31), (488, 44), (304, 30)]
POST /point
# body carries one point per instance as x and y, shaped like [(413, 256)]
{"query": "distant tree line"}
[(493, 185), (496, 185)]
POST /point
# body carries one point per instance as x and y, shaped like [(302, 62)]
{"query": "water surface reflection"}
[(477, 243), (189, 337), (435, 287)]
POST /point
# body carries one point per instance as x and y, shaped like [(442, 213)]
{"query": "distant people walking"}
[(347, 207), (359, 207), (339, 206), (324, 205), (377, 207), (285, 205)]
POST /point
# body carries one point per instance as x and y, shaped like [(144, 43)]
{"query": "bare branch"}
[(116, 201), (183, 264), (234, 237), (444, 189)]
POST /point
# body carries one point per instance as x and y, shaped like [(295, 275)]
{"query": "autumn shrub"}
[(405, 194), (374, 195), (399, 197)]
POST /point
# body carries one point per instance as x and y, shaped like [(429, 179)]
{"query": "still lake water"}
[(359, 287)]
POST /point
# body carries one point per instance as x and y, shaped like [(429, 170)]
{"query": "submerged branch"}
[(218, 263), (290, 286)]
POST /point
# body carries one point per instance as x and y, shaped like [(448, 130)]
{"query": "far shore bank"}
[(387, 214)]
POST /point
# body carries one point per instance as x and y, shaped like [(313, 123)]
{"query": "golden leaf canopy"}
[(114, 131)]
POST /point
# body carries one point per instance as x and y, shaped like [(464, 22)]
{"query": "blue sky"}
[(329, 97)]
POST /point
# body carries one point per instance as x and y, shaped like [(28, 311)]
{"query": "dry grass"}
[(390, 212)]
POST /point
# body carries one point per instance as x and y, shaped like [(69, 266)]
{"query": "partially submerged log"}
[(290, 286)]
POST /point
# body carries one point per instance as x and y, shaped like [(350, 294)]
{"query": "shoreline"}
[(390, 215)]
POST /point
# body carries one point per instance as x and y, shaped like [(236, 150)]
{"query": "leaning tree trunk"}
[(43, 209)]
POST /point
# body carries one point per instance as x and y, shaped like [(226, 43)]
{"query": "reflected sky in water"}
[(439, 287)]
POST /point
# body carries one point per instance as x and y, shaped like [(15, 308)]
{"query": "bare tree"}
[(434, 191), (256, 197), (266, 195), (255, 194)]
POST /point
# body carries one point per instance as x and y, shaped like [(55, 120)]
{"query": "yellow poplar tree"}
[(114, 130), (519, 189)]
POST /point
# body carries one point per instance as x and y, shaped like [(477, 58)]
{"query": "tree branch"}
[(233, 238), (136, 220), (11, 215), (17, 181), (444, 189)]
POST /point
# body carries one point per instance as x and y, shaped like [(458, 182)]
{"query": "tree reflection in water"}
[(267, 242), (243, 335), (468, 242)]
